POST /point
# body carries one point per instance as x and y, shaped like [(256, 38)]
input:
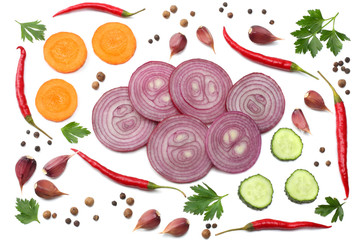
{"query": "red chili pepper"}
[(341, 136), (265, 60), (20, 93), (122, 179), (272, 224), (98, 7)]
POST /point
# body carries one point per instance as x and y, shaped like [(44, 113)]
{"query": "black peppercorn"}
[(36, 134), (341, 63), (214, 225), (316, 163), (122, 195), (322, 149), (347, 70), (68, 220), (347, 92), (272, 22), (263, 11), (114, 203), (27, 131), (100, 76), (49, 142), (208, 225), (347, 59), (76, 223), (335, 69), (37, 148), (221, 9), (249, 11), (96, 217), (336, 64), (157, 37), (23, 143), (150, 41), (225, 4)]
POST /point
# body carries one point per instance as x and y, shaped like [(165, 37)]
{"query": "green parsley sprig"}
[(32, 29), (333, 204), (206, 200), (72, 131), (313, 25), (28, 210)]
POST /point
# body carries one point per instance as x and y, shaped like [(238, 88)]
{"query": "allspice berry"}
[(184, 23), (128, 213), (342, 83), (74, 211), (47, 214), (96, 217), (130, 201), (95, 85), (173, 8), (206, 233), (166, 14), (54, 215), (89, 201), (100, 76)]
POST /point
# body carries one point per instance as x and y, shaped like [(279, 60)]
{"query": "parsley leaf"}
[(333, 204), (32, 29), (312, 25), (72, 131), (206, 200), (28, 210)]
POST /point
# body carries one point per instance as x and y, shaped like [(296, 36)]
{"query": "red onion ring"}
[(198, 88), (233, 142), (117, 125), (176, 149), (260, 97), (149, 91)]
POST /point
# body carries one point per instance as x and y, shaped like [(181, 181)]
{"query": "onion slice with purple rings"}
[(199, 88), (149, 91), (176, 149), (233, 142), (260, 97), (117, 125)]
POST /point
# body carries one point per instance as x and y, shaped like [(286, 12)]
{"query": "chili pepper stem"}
[(295, 67), (337, 98), (152, 185), (246, 227), (30, 120), (128, 14)]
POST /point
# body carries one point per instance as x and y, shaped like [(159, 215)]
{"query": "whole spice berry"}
[(230, 15), (47, 214), (27, 131), (37, 148), (130, 201), (314, 101), (23, 143), (249, 11), (341, 63), (89, 201), (221, 9), (36, 134), (192, 13), (184, 22), (128, 213), (56, 166), (342, 83), (214, 225), (343, 68), (95, 85), (328, 163), (96, 217), (68, 220), (322, 149), (347, 59), (156, 37), (263, 11), (122, 196), (46, 189), (347, 92), (335, 69), (54, 215), (208, 225), (148, 220), (76, 223), (173, 8), (299, 120), (272, 22), (166, 14), (261, 35), (49, 142), (114, 203), (177, 43), (204, 35), (177, 227), (100, 76), (316, 163), (150, 41), (336, 64), (206, 233), (347, 71), (24, 169), (74, 211), (225, 4)]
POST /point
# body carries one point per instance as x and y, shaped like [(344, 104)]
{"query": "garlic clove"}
[(24, 169), (47, 190), (314, 101), (204, 35), (56, 166), (149, 220), (177, 227), (177, 43), (261, 35), (299, 120)]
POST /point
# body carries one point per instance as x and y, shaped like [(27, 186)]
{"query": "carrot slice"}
[(56, 100), (114, 43), (65, 52)]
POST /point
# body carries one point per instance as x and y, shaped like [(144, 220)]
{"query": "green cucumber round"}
[(286, 145), (301, 187)]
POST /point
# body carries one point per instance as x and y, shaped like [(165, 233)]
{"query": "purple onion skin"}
[(24, 169), (261, 35)]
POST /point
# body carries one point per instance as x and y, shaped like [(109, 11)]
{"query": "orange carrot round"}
[(114, 43), (56, 100), (65, 52)]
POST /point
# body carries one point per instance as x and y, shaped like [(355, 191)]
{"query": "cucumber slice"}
[(301, 187), (256, 192), (286, 145)]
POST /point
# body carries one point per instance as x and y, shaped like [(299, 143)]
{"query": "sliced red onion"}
[(233, 142), (176, 149), (260, 97), (149, 90), (117, 125), (198, 88)]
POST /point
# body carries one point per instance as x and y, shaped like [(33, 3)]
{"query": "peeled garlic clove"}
[(261, 35), (46, 189), (299, 120), (314, 101), (204, 35), (177, 227), (178, 42), (56, 166), (149, 220), (24, 169)]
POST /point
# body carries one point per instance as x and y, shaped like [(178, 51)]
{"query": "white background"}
[(80, 180)]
